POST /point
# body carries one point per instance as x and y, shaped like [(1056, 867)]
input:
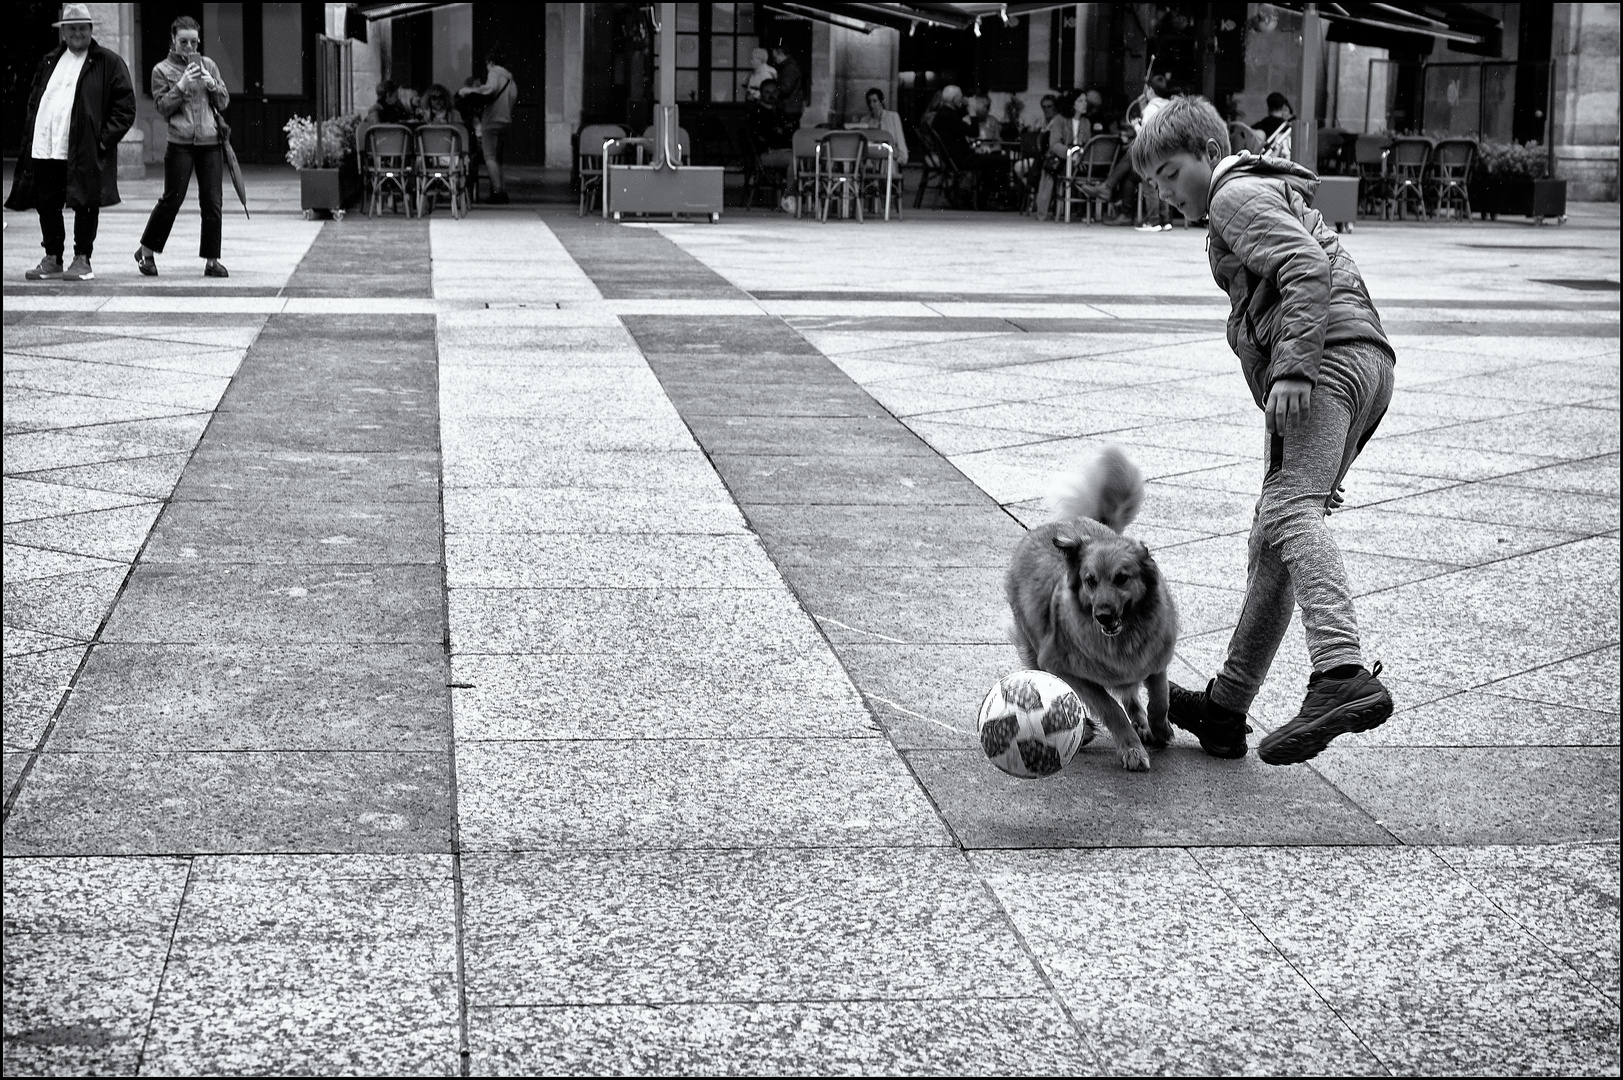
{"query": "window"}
[(713, 47), (1062, 48), (222, 42), (283, 38)]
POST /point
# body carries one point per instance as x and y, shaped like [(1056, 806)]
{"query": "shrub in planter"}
[(324, 154), (1514, 178)]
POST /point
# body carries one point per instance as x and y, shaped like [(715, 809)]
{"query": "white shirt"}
[(55, 114)]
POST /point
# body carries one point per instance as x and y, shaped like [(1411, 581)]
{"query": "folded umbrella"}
[(231, 165)]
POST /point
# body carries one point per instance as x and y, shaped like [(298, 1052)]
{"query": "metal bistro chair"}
[(590, 159), (442, 165), (759, 176), (1087, 165), (803, 173), (1369, 156), (948, 176), (1406, 170), (684, 147), (389, 167), (882, 177), (1452, 163), (1030, 167), (841, 157)]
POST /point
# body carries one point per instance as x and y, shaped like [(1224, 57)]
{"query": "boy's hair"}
[(1184, 125)]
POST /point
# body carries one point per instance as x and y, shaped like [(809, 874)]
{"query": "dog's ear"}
[(1068, 544), (1148, 569)]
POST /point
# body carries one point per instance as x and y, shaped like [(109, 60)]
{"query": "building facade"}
[(1543, 73)]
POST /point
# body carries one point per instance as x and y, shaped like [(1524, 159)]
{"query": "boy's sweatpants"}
[(1293, 560)]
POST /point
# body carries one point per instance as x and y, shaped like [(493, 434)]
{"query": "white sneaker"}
[(1147, 227)]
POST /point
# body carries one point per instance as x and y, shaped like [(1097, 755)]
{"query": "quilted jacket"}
[(1292, 289), (190, 112)]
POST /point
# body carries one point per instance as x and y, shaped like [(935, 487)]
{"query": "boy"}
[(1318, 363)]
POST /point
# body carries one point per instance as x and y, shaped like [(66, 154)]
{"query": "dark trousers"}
[(179, 162), (50, 195)]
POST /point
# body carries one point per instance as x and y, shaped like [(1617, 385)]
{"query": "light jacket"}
[(190, 112), (1292, 288), (103, 110)]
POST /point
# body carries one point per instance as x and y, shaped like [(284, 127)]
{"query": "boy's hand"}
[(1288, 404)]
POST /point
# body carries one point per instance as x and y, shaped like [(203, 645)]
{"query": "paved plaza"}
[(529, 644)]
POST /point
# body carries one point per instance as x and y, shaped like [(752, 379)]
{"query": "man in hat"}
[(81, 104)]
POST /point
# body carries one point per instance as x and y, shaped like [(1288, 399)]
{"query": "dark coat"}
[(1293, 289), (103, 110)]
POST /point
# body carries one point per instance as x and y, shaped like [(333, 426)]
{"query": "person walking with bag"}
[(493, 101), (188, 90), (81, 104)]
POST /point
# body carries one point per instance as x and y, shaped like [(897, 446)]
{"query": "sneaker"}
[(1221, 731), (1332, 707), (49, 267), (146, 264), (1147, 227), (79, 270), (213, 268)]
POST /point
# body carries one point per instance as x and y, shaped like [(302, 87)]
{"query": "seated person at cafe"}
[(436, 107), (886, 120), (389, 109), (769, 129), (950, 125), (1065, 130)]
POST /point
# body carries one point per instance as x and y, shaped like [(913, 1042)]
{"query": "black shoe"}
[(1221, 731), (213, 269), (497, 198), (147, 264), (1332, 707)]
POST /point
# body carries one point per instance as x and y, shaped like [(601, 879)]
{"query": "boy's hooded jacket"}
[(1292, 289)]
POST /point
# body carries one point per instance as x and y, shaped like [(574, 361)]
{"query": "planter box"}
[(1337, 200), (319, 189), (1519, 196)]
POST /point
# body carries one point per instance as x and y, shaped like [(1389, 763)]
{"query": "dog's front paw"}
[(1160, 732), (1089, 732), (1134, 758)]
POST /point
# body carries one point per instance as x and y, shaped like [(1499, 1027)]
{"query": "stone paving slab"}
[(150, 697), (657, 927), (374, 801), (1484, 794), (651, 694), (85, 945), (1187, 798), (351, 533), (222, 473), (361, 951), (1025, 1036), (732, 793), (1156, 925), (294, 602), (1430, 974)]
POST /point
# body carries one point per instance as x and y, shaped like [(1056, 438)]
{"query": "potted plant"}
[(1514, 178), (319, 152)]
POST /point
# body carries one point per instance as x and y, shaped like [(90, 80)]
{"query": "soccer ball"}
[(1032, 724)]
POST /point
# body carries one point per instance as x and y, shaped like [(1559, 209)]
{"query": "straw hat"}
[(74, 13)]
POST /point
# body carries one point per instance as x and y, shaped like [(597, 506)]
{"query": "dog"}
[(1090, 606)]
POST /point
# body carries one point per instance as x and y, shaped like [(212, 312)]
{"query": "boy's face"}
[(1185, 180)]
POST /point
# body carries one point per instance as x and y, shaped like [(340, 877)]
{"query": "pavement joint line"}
[(1274, 945), (163, 973)]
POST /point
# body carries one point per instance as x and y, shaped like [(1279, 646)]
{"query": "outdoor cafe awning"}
[(1403, 25)]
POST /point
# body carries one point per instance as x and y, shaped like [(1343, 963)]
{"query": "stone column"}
[(566, 43), (1584, 101), (116, 29)]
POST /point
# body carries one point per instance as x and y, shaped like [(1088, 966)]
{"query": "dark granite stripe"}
[(1193, 300), (628, 263), (366, 257), (1104, 325), (273, 676), (113, 286), (900, 558)]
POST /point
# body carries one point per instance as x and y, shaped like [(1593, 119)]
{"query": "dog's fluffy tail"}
[(1106, 487)]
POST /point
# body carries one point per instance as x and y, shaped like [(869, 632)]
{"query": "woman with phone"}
[(188, 90)]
